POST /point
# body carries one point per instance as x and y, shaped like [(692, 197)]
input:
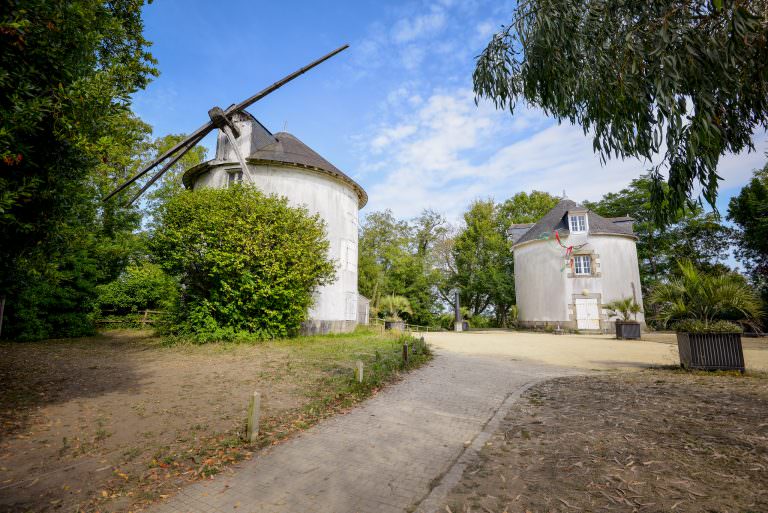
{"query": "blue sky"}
[(395, 111)]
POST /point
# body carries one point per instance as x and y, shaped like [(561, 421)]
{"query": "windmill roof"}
[(289, 149), (284, 148), (557, 220)]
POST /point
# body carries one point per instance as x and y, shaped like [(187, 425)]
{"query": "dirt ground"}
[(110, 422), (591, 352), (642, 441)]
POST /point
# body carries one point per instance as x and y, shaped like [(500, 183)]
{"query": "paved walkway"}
[(386, 456)]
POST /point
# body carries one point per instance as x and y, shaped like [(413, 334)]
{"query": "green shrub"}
[(482, 321), (247, 263), (143, 286), (698, 326), (705, 297), (625, 307), (393, 307)]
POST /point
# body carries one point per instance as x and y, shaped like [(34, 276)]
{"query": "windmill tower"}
[(281, 164)]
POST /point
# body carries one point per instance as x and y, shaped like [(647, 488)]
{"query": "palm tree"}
[(394, 306), (625, 307), (706, 298)]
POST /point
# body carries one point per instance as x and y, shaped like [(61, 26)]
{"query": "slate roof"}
[(283, 148), (556, 219)]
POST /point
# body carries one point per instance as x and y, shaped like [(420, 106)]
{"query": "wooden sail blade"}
[(201, 132), (196, 136), (190, 144), (280, 83)]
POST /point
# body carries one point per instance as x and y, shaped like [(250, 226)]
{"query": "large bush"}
[(247, 263), (142, 286)]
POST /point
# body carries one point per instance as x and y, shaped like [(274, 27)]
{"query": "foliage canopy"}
[(749, 211), (686, 78), (67, 71), (691, 233)]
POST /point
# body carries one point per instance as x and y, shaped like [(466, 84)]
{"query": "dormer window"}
[(578, 223), (234, 176)]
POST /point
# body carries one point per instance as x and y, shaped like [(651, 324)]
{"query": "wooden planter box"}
[(710, 351), (627, 330), (394, 325)]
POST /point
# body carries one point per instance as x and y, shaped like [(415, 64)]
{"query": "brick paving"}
[(385, 456)]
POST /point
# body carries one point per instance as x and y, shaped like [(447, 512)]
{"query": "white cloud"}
[(449, 152), (484, 30), (391, 135), (409, 29)]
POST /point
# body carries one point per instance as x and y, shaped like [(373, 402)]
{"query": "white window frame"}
[(578, 223), (579, 269), (234, 176)]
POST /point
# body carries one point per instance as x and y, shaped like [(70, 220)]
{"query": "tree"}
[(527, 208), (749, 211), (383, 246), (170, 183), (248, 263), (142, 286), (691, 233), (484, 262), (52, 286), (67, 70), (399, 257), (686, 78)]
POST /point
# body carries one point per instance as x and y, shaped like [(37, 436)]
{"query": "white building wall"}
[(336, 203), (539, 283), (546, 294)]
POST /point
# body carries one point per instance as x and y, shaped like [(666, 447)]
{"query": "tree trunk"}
[(2, 313)]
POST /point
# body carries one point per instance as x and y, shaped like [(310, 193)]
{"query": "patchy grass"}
[(116, 421), (659, 440)]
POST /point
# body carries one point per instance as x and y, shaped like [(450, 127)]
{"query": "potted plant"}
[(393, 307), (706, 312), (626, 328)]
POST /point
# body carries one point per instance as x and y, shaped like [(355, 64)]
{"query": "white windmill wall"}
[(546, 295)]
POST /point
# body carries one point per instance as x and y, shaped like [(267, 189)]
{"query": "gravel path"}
[(400, 451), (589, 352)]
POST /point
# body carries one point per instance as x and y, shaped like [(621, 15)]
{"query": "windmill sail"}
[(219, 119)]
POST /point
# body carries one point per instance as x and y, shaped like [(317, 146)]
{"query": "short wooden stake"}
[(405, 353), (254, 411), (359, 371)]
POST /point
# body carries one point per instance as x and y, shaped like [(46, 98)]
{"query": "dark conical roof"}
[(281, 148), (288, 149), (557, 220)]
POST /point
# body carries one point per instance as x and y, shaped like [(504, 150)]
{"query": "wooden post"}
[(253, 417), (144, 319), (405, 353), (359, 371)]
